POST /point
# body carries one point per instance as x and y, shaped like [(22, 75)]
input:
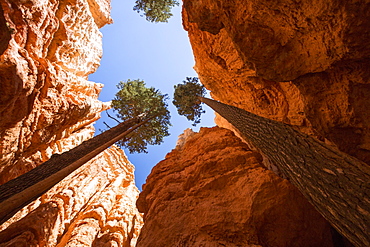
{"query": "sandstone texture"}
[(305, 63), (47, 106), (94, 206), (214, 191)]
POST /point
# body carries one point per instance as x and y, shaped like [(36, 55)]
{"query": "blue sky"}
[(158, 53)]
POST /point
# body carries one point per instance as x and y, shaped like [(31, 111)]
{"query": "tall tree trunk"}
[(337, 184), (22, 190)]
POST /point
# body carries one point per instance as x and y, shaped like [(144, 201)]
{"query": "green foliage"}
[(186, 99), (133, 99), (155, 10)]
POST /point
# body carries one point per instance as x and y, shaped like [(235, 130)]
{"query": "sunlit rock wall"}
[(47, 106), (93, 206), (214, 191), (304, 63)]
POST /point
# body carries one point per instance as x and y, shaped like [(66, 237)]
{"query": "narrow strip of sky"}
[(158, 53)]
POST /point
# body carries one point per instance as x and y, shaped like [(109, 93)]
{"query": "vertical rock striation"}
[(214, 191), (47, 106), (46, 99), (93, 206)]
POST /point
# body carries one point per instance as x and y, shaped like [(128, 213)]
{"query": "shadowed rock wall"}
[(304, 63)]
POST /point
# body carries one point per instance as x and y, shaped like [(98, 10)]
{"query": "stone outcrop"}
[(303, 63), (47, 106), (214, 191), (93, 206)]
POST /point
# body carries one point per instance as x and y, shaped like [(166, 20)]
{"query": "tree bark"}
[(22, 190), (334, 182)]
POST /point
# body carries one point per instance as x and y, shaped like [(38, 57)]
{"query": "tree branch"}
[(112, 118), (107, 125)]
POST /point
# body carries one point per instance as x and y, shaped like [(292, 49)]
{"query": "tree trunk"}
[(334, 182), (22, 190)]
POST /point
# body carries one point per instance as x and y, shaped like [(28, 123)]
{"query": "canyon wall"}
[(47, 106), (304, 63), (214, 191), (47, 103), (94, 206)]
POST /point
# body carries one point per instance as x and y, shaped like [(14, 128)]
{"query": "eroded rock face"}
[(93, 206), (303, 63), (214, 191), (47, 106), (46, 98)]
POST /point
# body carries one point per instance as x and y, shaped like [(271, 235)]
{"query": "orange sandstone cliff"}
[(47, 106), (93, 206), (305, 63), (214, 191), (47, 103)]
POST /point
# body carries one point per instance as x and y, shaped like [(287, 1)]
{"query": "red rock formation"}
[(304, 63), (48, 106), (93, 206), (5, 32), (214, 191), (46, 99)]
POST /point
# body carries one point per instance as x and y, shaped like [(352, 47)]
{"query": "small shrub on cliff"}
[(187, 99), (134, 99), (155, 10)]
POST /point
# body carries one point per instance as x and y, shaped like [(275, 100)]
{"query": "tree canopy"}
[(155, 10), (135, 99), (187, 99)]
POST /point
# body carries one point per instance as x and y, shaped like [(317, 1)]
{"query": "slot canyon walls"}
[(304, 63)]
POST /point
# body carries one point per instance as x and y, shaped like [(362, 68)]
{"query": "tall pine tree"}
[(145, 121), (336, 183)]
